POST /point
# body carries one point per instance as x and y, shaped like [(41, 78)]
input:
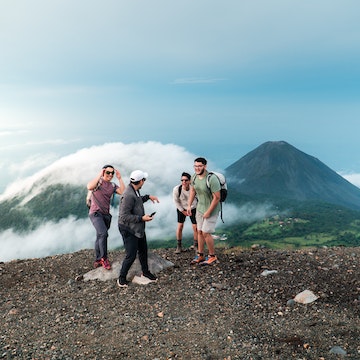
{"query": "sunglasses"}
[(109, 172), (185, 180)]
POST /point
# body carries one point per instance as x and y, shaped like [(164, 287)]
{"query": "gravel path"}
[(227, 311)]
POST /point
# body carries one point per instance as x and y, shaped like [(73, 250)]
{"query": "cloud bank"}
[(163, 162)]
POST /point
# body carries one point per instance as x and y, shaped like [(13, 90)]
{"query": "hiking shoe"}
[(150, 276), (198, 259), (210, 260), (122, 283), (178, 250), (97, 263), (105, 263)]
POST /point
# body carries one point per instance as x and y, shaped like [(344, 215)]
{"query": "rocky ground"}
[(227, 311)]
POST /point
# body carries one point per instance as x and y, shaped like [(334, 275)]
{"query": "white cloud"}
[(67, 236), (353, 178), (164, 163)]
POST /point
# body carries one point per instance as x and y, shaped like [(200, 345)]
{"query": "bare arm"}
[(93, 183), (121, 187), (176, 199), (191, 199), (215, 200)]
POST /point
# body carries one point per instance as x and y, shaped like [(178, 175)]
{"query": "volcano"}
[(278, 169)]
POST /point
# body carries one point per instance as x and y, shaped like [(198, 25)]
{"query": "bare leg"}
[(179, 231), (209, 243), (195, 232), (201, 241)]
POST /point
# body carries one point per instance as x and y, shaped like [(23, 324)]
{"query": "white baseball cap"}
[(138, 175)]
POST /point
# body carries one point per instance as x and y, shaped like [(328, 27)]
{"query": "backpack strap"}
[(208, 185)]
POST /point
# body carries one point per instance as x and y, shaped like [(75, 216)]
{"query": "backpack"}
[(222, 181), (223, 189)]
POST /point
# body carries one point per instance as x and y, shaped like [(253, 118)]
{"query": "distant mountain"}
[(278, 169)]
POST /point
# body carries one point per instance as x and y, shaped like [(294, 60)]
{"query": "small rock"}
[(219, 286), (337, 350), (268, 272), (305, 297), (291, 302)]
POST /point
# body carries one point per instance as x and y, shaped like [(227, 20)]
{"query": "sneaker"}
[(178, 250), (97, 264), (150, 276), (198, 259), (105, 263), (122, 283), (210, 260)]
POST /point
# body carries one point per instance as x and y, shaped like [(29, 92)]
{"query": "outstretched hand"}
[(154, 198)]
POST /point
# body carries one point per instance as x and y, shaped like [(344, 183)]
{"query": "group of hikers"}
[(195, 197)]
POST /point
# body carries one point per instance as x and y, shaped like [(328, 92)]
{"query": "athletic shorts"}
[(181, 217), (206, 225)]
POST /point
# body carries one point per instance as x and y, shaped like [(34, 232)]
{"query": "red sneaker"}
[(105, 263), (97, 264)]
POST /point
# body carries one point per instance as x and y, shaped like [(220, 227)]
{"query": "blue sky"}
[(216, 77)]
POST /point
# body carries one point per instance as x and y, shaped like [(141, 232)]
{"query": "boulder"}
[(156, 264)]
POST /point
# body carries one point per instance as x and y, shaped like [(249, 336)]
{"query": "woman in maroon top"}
[(99, 213)]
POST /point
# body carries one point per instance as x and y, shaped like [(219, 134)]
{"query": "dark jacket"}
[(131, 212)]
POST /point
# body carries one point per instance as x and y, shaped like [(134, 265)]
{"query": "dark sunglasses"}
[(109, 172)]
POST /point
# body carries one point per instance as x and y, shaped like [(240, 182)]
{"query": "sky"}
[(218, 78)]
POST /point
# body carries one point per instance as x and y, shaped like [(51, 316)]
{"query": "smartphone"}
[(153, 214)]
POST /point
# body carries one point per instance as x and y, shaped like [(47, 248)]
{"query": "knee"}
[(103, 234), (130, 257)]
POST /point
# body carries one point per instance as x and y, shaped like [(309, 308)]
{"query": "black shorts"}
[(181, 217)]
